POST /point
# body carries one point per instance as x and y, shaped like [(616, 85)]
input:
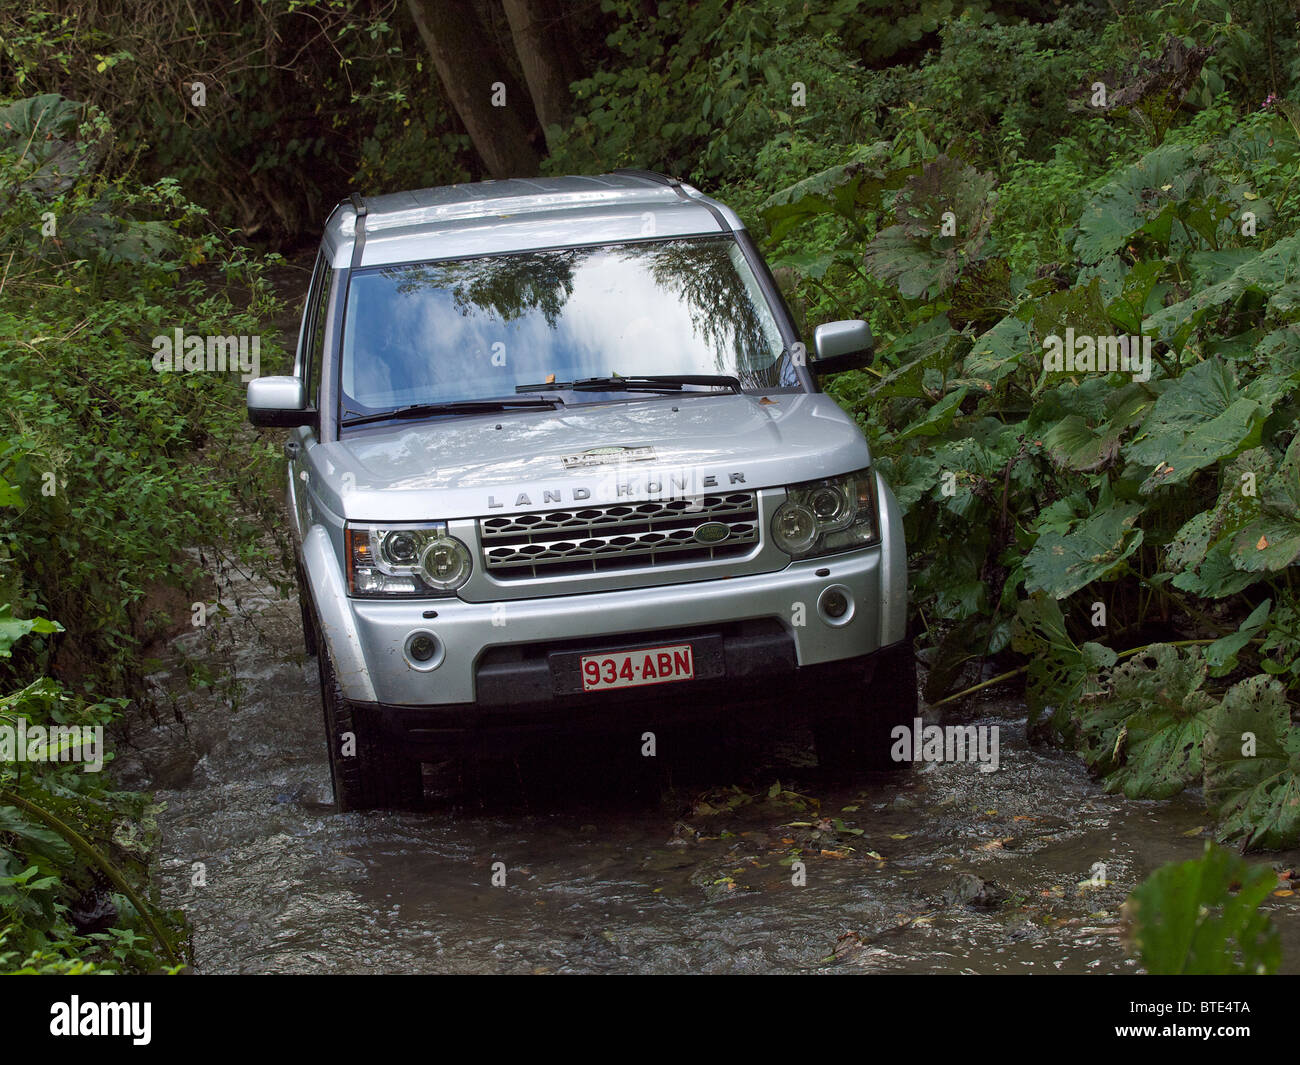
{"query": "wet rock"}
[(967, 889), (171, 769)]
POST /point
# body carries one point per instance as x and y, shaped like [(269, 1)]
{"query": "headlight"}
[(404, 561), (822, 517)]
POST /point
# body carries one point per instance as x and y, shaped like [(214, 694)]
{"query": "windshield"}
[(481, 328)]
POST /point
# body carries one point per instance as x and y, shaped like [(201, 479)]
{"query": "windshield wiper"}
[(636, 383), (462, 406)]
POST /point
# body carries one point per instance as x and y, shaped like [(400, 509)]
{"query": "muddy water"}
[(617, 863)]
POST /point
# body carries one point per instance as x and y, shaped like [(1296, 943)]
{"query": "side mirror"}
[(279, 402), (841, 346)]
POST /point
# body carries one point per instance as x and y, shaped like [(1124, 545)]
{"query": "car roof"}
[(520, 214)]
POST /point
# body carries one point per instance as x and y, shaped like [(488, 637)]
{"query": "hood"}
[(479, 465)]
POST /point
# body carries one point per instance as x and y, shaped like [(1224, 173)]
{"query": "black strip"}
[(359, 243), (648, 175)]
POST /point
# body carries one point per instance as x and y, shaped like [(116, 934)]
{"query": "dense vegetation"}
[(974, 178), (109, 472)]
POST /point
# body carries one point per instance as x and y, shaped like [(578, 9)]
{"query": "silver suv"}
[(557, 458)]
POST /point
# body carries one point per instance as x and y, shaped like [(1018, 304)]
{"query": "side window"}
[(316, 352)]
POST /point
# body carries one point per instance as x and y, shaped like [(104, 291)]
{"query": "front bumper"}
[(761, 681)]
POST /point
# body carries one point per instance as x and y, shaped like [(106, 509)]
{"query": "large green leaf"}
[(1060, 672), (914, 254), (1263, 272), (1252, 765), (934, 345), (1061, 564), (1236, 428), (1221, 655), (1203, 918), (43, 129), (1200, 418), (1216, 577), (1132, 199), (997, 352), (846, 189), (1272, 540), (13, 629), (1146, 730), (1243, 479)]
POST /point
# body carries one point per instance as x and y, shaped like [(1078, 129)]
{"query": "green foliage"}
[(1202, 918), (70, 846), (1062, 563), (1252, 764), (1053, 511), (94, 436), (708, 90), (297, 100), (109, 472)]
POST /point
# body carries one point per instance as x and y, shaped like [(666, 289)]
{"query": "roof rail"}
[(648, 175)]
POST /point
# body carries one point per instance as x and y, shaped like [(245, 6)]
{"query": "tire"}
[(308, 615), (377, 775), (863, 742)]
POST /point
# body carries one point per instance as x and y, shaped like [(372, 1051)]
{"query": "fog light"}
[(424, 651), (835, 605)]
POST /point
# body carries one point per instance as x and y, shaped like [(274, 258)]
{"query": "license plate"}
[(634, 669)]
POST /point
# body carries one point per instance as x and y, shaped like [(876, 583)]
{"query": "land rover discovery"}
[(557, 458)]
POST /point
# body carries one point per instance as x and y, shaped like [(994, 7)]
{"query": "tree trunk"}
[(547, 57), (468, 65)]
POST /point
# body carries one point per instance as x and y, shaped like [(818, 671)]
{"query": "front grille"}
[(621, 536)]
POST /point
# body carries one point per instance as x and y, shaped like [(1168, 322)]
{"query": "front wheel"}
[(861, 740), (367, 768)]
